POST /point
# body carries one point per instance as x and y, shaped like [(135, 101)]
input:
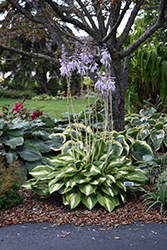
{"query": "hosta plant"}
[(99, 176), (148, 126)]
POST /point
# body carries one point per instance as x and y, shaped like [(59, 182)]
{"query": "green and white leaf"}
[(41, 172), (87, 189), (157, 138), (55, 187), (106, 201), (73, 199), (89, 201), (140, 149)]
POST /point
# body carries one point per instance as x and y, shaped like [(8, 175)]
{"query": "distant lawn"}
[(52, 108)]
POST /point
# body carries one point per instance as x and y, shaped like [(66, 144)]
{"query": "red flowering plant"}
[(36, 114), (9, 112)]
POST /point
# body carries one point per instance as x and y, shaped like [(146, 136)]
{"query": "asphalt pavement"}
[(46, 236)]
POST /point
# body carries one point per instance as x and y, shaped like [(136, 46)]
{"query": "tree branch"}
[(30, 54), (128, 25), (24, 11), (148, 33), (114, 28), (88, 15), (67, 19)]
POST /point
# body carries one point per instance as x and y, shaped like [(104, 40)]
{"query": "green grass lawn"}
[(52, 108)]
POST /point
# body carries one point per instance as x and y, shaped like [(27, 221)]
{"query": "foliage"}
[(9, 199), (9, 112), (156, 198), (147, 77), (147, 18), (87, 178), (99, 19), (44, 97), (28, 142), (16, 94), (148, 126), (155, 169), (11, 177)]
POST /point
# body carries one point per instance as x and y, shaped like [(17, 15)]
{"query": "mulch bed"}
[(34, 209)]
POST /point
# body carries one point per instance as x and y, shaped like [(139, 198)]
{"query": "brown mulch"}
[(34, 209)]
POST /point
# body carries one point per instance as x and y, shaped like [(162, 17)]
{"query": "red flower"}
[(36, 114), (18, 106)]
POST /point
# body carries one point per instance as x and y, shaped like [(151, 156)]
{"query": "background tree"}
[(148, 17), (100, 19)]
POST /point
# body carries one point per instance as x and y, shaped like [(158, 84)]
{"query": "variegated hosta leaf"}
[(44, 192), (74, 134), (98, 181), (117, 148), (137, 176), (111, 178), (41, 172), (147, 112), (55, 187), (122, 195), (89, 201), (65, 190), (72, 199), (56, 141), (142, 135), (165, 140), (69, 145), (97, 149), (120, 174), (106, 201), (92, 171), (28, 183), (52, 181), (133, 131), (84, 180), (121, 185), (87, 189), (157, 138), (61, 160), (107, 190), (57, 137), (141, 151)]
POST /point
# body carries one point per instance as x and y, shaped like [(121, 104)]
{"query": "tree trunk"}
[(118, 96)]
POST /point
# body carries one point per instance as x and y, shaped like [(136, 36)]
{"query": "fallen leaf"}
[(117, 238), (63, 235)]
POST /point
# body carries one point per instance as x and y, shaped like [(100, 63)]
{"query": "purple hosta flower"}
[(86, 55), (94, 67), (106, 58), (105, 83), (75, 60), (65, 69)]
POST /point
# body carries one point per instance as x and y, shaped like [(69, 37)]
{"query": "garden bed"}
[(34, 209)]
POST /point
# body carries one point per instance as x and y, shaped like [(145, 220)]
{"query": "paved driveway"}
[(45, 236)]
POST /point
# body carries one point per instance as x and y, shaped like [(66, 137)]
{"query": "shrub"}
[(11, 177), (17, 94)]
